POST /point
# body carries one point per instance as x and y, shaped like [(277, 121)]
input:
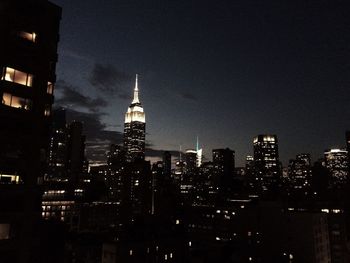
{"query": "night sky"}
[(221, 70)]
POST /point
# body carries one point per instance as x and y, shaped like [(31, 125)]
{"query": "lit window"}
[(16, 102), (47, 111), (28, 36), (49, 87), (19, 77)]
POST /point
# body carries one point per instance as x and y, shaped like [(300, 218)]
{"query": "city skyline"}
[(91, 179), (225, 91)]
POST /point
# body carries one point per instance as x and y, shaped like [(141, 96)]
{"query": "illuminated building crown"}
[(135, 111)]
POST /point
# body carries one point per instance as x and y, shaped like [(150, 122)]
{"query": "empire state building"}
[(135, 128)]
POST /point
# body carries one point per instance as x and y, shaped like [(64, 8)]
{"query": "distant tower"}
[(337, 163), (191, 161), (299, 171), (199, 154), (167, 163), (135, 128), (224, 166), (76, 147), (266, 159)]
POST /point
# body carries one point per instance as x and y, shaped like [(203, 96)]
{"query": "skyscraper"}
[(224, 167), (266, 160), (167, 163), (135, 128), (299, 171), (76, 149), (337, 164), (57, 154), (191, 161)]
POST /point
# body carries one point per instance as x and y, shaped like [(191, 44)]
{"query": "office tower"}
[(28, 55), (347, 138), (188, 175), (76, 149), (224, 166), (138, 186), (66, 158), (135, 128), (266, 160), (191, 161), (249, 165), (179, 171), (167, 163), (337, 163), (57, 154), (116, 155), (299, 172)]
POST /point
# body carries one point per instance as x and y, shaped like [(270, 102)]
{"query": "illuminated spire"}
[(199, 154), (136, 92)]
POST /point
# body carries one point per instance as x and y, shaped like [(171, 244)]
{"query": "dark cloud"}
[(71, 96), (75, 55), (159, 153), (187, 95), (124, 96), (94, 129), (108, 79)]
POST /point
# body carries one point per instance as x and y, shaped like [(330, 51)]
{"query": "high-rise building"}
[(266, 160), (191, 161), (135, 128), (337, 163), (299, 171), (66, 158), (28, 56), (116, 155), (76, 149), (167, 163), (224, 166), (57, 154), (249, 165)]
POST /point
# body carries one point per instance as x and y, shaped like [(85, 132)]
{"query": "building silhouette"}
[(224, 168), (76, 150), (135, 128), (191, 161), (167, 163), (266, 160), (57, 154), (66, 158)]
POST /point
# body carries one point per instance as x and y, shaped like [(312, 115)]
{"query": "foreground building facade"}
[(28, 57)]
